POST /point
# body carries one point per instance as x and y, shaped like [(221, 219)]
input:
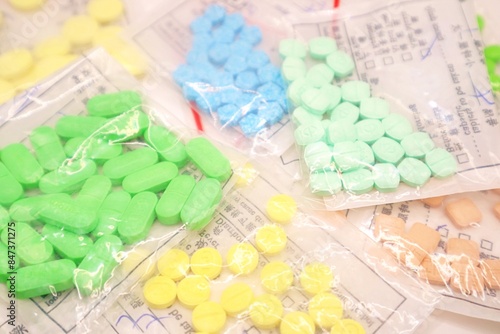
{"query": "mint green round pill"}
[(318, 156), (316, 101), (341, 131), (68, 178), (117, 168), (346, 156), (4, 217), (293, 68), (325, 182), (169, 207), (309, 133), (396, 126), (414, 172), (22, 165), (96, 148), (28, 209), (201, 204), (110, 212), (93, 192), (417, 144), (333, 93), (67, 245), (358, 181), (5, 267), (385, 177), (96, 268), (373, 108), (166, 143), (319, 75), (138, 217), (208, 159), (365, 154), (321, 47), (492, 52), (369, 130), (44, 278), (292, 48), (441, 163), (113, 104), (31, 247), (345, 111), (153, 178), (341, 63), (388, 150), (296, 89), (354, 91), (129, 125), (48, 148), (78, 126), (10, 189), (301, 116)]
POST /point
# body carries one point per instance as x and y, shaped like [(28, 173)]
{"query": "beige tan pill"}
[(388, 227), (418, 243), (467, 279), (463, 212), (463, 251), (491, 273), (433, 202), (435, 270)]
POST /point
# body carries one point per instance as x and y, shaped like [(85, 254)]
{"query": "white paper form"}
[(424, 58)]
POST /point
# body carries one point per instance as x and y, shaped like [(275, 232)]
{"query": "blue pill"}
[(247, 80), (223, 35), (240, 48), (251, 34), (234, 21), (215, 13), (229, 114), (257, 59), (183, 74), (235, 64), (222, 79), (202, 42), (201, 25), (230, 94), (219, 53), (208, 102), (271, 91), (192, 90), (251, 124), (196, 56), (204, 72), (268, 73), (272, 112)]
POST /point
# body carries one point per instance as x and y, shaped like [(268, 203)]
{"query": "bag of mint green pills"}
[(218, 61), (386, 111), (95, 178)]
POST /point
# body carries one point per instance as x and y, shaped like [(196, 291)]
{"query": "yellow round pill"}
[(326, 309), (15, 63), (174, 264), (276, 277), (297, 323), (6, 91), (266, 311), (138, 257), (131, 58), (159, 292), (347, 326), (80, 30), (206, 262), (316, 278), (281, 208), (246, 175), (270, 239), (193, 290), (209, 317), (54, 46), (105, 11), (236, 298), (26, 4), (108, 36), (242, 258)]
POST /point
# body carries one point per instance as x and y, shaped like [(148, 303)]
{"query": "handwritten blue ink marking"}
[(440, 227), (428, 52), (27, 97), (482, 95), (136, 322)]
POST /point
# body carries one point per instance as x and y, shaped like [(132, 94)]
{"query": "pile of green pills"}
[(492, 58), (350, 139), (85, 191)]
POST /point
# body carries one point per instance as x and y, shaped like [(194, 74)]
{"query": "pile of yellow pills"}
[(105, 11), (347, 326), (26, 5), (209, 317), (281, 208), (326, 309), (193, 290), (266, 311), (276, 277), (80, 30), (160, 292), (270, 239), (246, 175), (297, 323), (15, 63), (236, 298), (174, 264), (316, 277), (206, 262), (242, 258)]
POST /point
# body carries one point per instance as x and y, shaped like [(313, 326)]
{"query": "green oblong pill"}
[(207, 158), (48, 148), (417, 144), (388, 150), (8, 264), (396, 126), (28, 209), (169, 207), (124, 127), (385, 177), (4, 217), (97, 266), (10, 189), (68, 178), (98, 149), (441, 163), (373, 108), (44, 279), (358, 181), (341, 63), (168, 146), (117, 168), (369, 130), (201, 204), (66, 213), (137, 218), (355, 91), (492, 52), (66, 244), (153, 178), (110, 213), (325, 182), (113, 104), (22, 164), (78, 126), (93, 192), (414, 172)]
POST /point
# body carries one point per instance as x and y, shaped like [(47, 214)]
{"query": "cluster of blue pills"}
[(227, 77)]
